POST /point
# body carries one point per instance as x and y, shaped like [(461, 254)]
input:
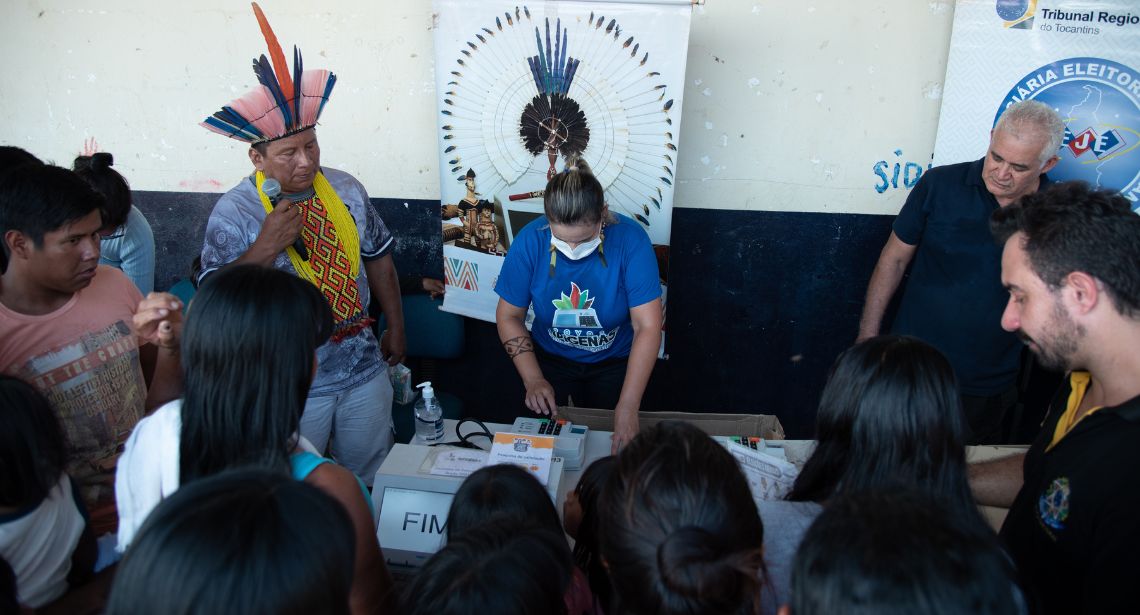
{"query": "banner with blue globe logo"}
[(1098, 101), (1081, 58)]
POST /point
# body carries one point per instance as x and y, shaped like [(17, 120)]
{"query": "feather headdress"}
[(283, 103)]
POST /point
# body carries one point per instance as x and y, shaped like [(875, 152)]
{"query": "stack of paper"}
[(770, 477)]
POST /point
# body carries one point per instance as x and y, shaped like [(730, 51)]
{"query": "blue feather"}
[(541, 61), (550, 59), (570, 73), (533, 61), (328, 92), (266, 77), (563, 67), (297, 70), (245, 131), (557, 72)]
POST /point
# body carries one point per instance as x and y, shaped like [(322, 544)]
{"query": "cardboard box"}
[(766, 426)]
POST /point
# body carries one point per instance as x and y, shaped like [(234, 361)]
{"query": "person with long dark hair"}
[(681, 532), (243, 541), (127, 242), (889, 416), (44, 533), (249, 354), (593, 281), (898, 551)]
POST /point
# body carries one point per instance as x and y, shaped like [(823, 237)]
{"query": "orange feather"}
[(280, 68)]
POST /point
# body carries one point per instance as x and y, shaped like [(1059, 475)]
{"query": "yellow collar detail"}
[(1078, 385)]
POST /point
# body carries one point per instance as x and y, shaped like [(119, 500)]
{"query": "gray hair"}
[(1030, 118)]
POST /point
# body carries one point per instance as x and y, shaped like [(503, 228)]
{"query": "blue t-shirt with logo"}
[(581, 312)]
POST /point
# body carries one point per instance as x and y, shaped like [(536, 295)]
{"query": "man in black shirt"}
[(1071, 262), (954, 298)]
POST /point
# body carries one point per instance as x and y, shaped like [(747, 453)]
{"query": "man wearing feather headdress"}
[(318, 223)]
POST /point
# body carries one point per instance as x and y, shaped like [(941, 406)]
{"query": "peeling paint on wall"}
[(940, 7), (932, 90)]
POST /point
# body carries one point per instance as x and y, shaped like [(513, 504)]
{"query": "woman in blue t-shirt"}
[(593, 281)]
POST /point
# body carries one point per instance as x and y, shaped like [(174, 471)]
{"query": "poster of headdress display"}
[(521, 89), (1080, 57)]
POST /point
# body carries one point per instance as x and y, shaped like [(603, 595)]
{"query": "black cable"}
[(465, 439)]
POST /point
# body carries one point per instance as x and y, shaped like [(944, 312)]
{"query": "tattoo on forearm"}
[(518, 345)]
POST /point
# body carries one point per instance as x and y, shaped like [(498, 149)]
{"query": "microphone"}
[(272, 189)]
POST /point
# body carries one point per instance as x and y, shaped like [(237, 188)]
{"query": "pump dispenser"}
[(429, 415)]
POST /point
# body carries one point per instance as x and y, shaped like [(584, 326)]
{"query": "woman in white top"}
[(248, 357)]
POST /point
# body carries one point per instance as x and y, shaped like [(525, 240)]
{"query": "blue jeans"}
[(357, 421)]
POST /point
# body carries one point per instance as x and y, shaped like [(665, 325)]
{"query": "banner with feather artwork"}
[(522, 88)]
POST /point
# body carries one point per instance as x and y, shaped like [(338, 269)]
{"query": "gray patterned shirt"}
[(234, 225)]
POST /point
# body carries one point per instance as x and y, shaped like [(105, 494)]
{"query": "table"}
[(597, 446)]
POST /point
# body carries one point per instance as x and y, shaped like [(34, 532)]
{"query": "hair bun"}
[(101, 161), (696, 565), (686, 558)]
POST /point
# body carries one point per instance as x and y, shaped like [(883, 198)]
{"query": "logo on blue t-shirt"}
[(576, 324)]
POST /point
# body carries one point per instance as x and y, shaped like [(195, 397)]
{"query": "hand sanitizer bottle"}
[(429, 415)]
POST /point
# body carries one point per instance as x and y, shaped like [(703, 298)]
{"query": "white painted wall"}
[(788, 106)]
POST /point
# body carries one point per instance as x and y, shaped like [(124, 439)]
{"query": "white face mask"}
[(579, 251)]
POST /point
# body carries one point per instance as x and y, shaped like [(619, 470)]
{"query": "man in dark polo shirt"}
[(1070, 262), (954, 297)]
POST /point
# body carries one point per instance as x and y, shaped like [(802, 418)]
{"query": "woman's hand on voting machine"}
[(540, 397)]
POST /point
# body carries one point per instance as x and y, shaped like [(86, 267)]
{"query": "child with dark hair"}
[(244, 541), (899, 552), (889, 416), (497, 567), (127, 242), (510, 494), (581, 520), (681, 531), (501, 491), (44, 535)]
